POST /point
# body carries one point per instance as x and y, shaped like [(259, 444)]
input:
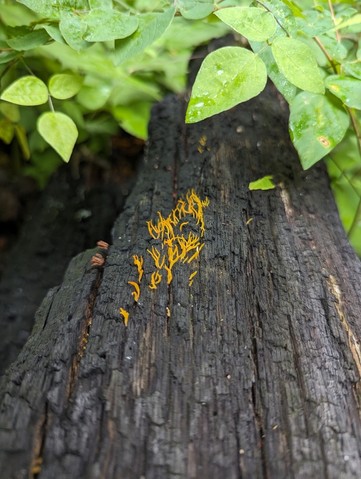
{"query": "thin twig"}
[(330, 6)]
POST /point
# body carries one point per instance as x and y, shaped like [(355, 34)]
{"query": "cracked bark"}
[(255, 373)]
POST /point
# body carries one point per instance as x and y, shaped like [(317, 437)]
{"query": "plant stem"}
[(51, 106), (327, 55), (330, 6)]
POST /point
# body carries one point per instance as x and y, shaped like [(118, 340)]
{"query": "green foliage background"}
[(73, 71)]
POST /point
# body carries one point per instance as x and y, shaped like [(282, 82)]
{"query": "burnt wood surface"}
[(251, 372)]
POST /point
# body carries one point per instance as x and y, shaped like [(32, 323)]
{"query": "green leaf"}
[(54, 32), (42, 7), (347, 89), (355, 20), (195, 9), (151, 27), (54, 8), (7, 130), (26, 91), (286, 88), (317, 125), (104, 25), (73, 28), (6, 57), (353, 68), (10, 111), (64, 85), (134, 118), (254, 23), (94, 97), (105, 4), (227, 77), (265, 183), (59, 131), (297, 62), (28, 39)]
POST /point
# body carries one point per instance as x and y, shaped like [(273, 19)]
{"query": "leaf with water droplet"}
[(254, 23), (227, 77), (297, 62), (317, 124), (346, 88)]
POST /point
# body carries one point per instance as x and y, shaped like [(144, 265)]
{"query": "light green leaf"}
[(134, 118), (353, 68), (54, 32), (94, 97), (105, 4), (28, 40), (105, 25), (26, 91), (151, 27), (265, 183), (42, 7), (73, 29), (227, 77), (355, 20), (297, 62), (286, 88), (64, 85), (254, 23), (59, 131), (195, 9), (317, 125), (54, 8), (347, 89)]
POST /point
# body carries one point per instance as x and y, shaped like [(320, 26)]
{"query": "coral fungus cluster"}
[(177, 238)]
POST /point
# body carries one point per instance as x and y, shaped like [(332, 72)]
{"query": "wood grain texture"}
[(252, 372)]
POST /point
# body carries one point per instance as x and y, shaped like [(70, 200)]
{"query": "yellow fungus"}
[(173, 245), (156, 255), (196, 254), (156, 278), (139, 261), (125, 315), (136, 292), (191, 277), (169, 274)]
